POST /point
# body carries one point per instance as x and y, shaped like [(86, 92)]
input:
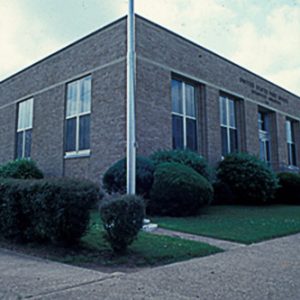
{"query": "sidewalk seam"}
[(73, 286)]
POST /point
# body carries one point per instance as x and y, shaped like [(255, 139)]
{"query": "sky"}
[(261, 35)]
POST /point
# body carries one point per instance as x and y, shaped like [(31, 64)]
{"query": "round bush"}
[(114, 179), (250, 179), (185, 157), (289, 190), (21, 169), (178, 190), (122, 219), (222, 194)]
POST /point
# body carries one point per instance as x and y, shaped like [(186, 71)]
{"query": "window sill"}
[(79, 154), (291, 167)]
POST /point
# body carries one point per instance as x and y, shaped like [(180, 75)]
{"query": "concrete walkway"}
[(268, 270), (225, 245)]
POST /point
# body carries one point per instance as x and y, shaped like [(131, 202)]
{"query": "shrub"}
[(185, 157), (21, 169), (46, 210), (250, 179), (114, 179), (289, 190), (178, 191), (16, 213), (65, 208), (122, 219), (222, 194)]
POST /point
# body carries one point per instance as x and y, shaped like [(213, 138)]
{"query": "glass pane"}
[(267, 151), (30, 113), (262, 150), (233, 140), (28, 137), (266, 122), (260, 121), (190, 100), (292, 154), (294, 160), (289, 132), (84, 132), (224, 141), (191, 134), (223, 111), (177, 123), (72, 95), (176, 96), (232, 113), (85, 95), (25, 114), (21, 116), (71, 135), (19, 152)]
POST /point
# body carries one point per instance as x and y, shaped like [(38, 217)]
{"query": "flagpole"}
[(131, 143)]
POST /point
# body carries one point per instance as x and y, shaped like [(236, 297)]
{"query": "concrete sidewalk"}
[(225, 245), (269, 270)]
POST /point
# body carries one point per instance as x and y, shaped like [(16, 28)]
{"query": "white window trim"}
[(80, 153), (77, 152), (183, 115)]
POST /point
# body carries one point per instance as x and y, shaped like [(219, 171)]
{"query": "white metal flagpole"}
[(131, 143)]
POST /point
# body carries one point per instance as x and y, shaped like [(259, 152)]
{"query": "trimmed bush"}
[(250, 180), (222, 194), (21, 169), (66, 208), (16, 212), (54, 211), (185, 157), (178, 191), (289, 190), (122, 219), (114, 179)]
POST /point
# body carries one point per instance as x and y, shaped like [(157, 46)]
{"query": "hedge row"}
[(54, 211), (21, 169), (181, 187), (247, 179), (289, 189), (240, 179)]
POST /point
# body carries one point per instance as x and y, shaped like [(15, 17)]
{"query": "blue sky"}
[(261, 35)]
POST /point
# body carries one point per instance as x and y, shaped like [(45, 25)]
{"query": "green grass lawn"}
[(148, 249), (94, 252), (244, 224)]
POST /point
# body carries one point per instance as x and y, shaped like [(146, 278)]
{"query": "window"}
[(78, 117), (291, 143), (228, 125), (184, 122), (264, 136), (24, 130)]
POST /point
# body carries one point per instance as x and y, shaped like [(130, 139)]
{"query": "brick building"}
[(68, 111)]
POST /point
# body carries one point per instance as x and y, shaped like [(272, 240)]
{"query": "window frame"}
[(291, 145), (77, 115), (264, 135), (184, 114), (25, 129), (228, 126)]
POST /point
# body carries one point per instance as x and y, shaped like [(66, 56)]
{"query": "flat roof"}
[(160, 27), (65, 48)]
